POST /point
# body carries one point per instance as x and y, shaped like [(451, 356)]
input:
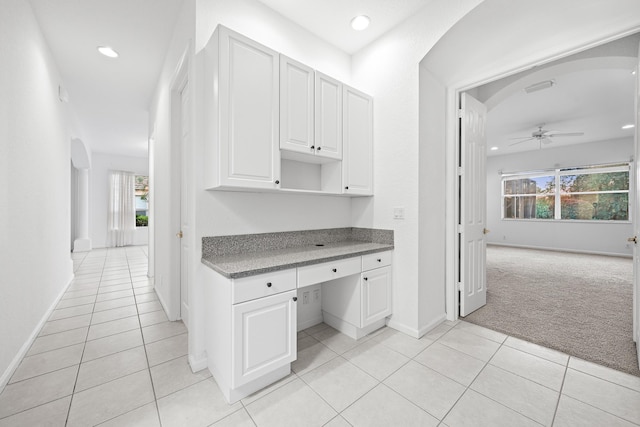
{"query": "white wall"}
[(34, 184), (101, 164), (388, 69), (595, 237)]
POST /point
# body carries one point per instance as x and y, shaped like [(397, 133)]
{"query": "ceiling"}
[(111, 97), (592, 92), (596, 102), (331, 19)]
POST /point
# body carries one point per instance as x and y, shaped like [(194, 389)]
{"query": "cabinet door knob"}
[(319, 148), (379, 260), (366, 278), (269, 284), (346, 188), (295, 299), (277, 181), (335, 270), (313, 147)]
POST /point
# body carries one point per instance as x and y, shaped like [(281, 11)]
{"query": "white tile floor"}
[(109, 356)]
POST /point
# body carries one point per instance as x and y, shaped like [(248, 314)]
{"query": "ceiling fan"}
[(544, 136)]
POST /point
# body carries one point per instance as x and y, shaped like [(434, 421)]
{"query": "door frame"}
[(452, 141)]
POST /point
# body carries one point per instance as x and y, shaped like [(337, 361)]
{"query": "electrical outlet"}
[(305, 297), (316, 295), (398, 212)]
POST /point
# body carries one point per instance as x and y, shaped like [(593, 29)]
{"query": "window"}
[(142, 200), (580, 193)]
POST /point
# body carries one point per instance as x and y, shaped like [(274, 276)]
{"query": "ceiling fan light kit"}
[(544, 136)]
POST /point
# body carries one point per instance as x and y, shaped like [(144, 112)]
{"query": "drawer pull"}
[(379, 260), (268, 284), (366, 278), (295, 299), (335, 270)]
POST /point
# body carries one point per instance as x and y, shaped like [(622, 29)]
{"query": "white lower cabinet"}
[(251, 322), (357, 305), (376, 295), (264, 336)]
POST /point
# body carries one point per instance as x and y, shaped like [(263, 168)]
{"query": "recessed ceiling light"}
[(360, 22), (108, 51), (494, 148), (629, 126)]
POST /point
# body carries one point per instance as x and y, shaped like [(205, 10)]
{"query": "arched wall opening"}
[(495, 40)]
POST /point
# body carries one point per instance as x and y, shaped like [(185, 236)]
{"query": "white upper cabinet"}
[(242, 112), (296, 106), (357, 164), (274, 124), (328, 117)]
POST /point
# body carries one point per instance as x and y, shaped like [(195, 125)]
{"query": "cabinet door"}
[(296, 106), (357, 164), (249, 112), (376, 295), (264, 336), (328, 114)]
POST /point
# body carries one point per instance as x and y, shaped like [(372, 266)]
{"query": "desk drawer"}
[(318, 273), (262, 285), (377, 260)]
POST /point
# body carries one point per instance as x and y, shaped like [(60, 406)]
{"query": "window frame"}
[(559, 193)]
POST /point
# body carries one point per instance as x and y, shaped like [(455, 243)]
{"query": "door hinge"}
[(460, 171), (458, 286), (460, 228), (460, 113)]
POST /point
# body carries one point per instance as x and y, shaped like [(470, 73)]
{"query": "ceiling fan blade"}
[(546, 140), (564, 134), (521, 137), (520, 142)]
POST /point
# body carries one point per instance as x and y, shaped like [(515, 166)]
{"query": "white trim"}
[(198, 364), (412, 332), (573, 251), (431, 325), (6, 376)]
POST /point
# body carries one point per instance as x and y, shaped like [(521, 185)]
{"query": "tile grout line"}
[(75, 383), (146, 354)]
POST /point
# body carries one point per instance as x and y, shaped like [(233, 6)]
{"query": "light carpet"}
[(578, 304)]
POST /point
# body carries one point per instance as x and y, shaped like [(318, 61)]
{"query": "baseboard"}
[(309, 323), (412, 332), (198, 364), (431, 325), (572, 251), (6, 376), (162, 302)]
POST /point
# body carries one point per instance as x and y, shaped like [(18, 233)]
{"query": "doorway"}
[(487, 58)]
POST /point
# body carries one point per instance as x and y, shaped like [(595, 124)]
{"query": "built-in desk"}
[(251, 329)]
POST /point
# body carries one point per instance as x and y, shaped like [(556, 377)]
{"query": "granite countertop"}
[(243, 263)]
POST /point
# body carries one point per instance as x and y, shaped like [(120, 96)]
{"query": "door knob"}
[(486, 231), (633, 239), (179, 234)]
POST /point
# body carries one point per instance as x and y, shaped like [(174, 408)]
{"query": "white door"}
[(357, 157), (264, 336), (250, 114), (473, 210), (636, 219), (328, 117), (185, 227), (296, 106), (376, 295)]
